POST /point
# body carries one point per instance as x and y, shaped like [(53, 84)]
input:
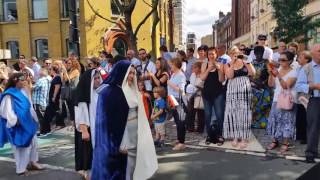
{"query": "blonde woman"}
[(238, 113)]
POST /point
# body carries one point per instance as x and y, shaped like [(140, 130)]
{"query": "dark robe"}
[(112, 113), (83, 149)]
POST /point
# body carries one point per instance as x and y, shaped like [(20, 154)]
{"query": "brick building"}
[(222, 30), (240, 29)]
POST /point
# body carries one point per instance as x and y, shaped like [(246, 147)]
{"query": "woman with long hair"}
[(19, 124), (183, 56), (162, 75)]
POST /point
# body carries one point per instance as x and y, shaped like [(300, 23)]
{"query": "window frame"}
[(8, 45), (64, 9), (37, 48), (33, 17), (5, 10)]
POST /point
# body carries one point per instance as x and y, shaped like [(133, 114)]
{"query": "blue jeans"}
[(215, 107)]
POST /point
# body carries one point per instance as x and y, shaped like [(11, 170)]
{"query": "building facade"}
[(241, 22), (207, 40), (41, 27), (262, 21), (312, 9), (180, 28), (222, 30), (191, 40)]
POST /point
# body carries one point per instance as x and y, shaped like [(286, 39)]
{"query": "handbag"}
[(285, 100), (65, 93), (198, 101)]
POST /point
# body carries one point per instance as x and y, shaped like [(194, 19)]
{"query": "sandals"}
[(234, 143), (284, 148), (220, 141), (179, 147), (273, 145), (243, 144)]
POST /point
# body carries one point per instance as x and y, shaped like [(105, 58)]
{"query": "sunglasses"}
[(22, 78), (241, 49), (262, 39), (283, 60)]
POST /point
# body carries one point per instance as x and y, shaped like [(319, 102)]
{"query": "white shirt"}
[(136, 62), (292, 74), (36, 69), (275, 57), (151, 68), (268, 54), (179, 80)]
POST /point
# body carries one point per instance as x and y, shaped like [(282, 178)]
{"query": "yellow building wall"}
[(92, 28)]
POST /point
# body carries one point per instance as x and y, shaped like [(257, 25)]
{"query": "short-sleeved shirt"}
[(224, 59), (267, 54), (292, 74), (158, 105), (55, 81), (179, 79), (151, 67)]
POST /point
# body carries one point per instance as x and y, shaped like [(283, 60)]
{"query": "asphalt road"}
[(192, 165)]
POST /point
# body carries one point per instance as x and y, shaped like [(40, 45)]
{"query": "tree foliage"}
[(292, 24)]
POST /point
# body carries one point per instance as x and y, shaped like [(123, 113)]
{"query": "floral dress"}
[(262, 95)]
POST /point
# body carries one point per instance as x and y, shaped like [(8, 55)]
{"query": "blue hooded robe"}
[(112, 113), (20, 135)]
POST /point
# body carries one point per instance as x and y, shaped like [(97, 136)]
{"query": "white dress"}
[(23, 156)]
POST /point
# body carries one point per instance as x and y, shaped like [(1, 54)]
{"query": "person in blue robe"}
[(124, 148), (19, 124)]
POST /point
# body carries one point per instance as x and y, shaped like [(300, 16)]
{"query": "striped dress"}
[(238, 113)]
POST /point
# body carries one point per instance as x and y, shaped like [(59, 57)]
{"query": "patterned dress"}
[(238, 114), (262, 95)]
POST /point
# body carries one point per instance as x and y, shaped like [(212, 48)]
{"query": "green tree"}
[(292, 24)]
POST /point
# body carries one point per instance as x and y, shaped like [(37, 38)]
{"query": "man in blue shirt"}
[(311, 85)]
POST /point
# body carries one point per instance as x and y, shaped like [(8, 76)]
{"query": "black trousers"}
[(301, 123), (313, 127), (191, 116), (40, 110), (181, 126), (83, 152), (50, 113)]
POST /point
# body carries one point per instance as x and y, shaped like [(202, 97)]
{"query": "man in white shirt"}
[(281, 48), (35, 67), (147, 66), (24, 68), (294, 48), (268, 53)]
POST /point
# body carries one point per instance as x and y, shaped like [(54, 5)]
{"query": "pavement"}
[(198, 161)]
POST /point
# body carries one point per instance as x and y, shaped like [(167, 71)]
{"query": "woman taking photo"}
[(238, 113), (176, 86), (281, 124), (161, 77), (18, 124), (213, 97)]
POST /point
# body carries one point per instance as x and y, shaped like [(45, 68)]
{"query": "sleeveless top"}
[(241, 72), (159, 77), (212, 86)]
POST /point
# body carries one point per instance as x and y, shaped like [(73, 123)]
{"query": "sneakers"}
[(159, 143)]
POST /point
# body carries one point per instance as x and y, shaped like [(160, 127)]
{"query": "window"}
[(9, 10), (13, 46), (114, 9), (42, 48), (65, 8), (40, 9)]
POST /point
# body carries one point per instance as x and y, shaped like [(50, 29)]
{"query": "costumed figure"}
[(124, 148), (19, 124), (262, 94), (85, 116)]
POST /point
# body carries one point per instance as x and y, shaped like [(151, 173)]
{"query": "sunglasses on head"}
[(21, 78), (262, 39)]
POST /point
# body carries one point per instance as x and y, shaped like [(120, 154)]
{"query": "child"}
[(159, 115), (146, 101)]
